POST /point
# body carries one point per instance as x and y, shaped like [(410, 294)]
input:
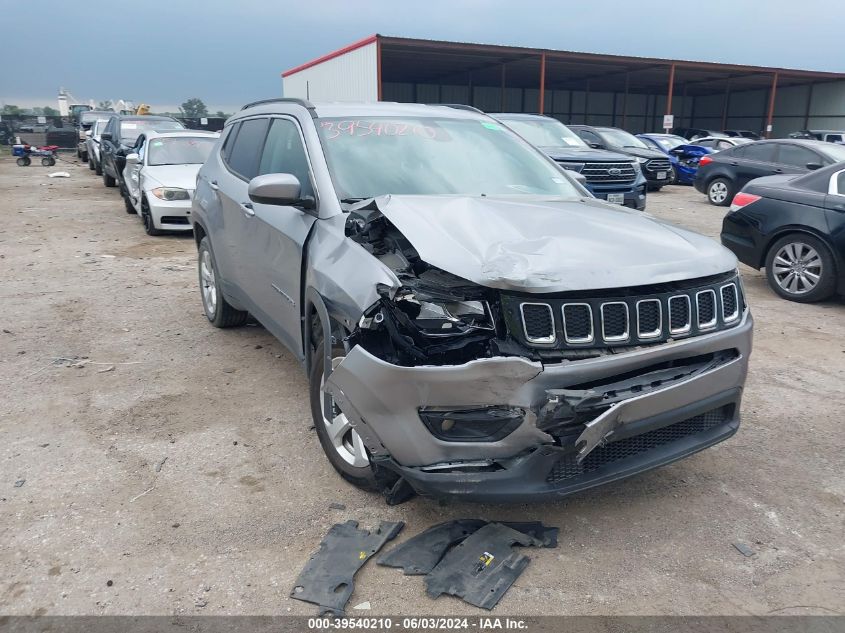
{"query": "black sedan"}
[(795, 227), (722, 174)]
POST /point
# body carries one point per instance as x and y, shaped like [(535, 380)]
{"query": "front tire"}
[(217, 310), (720, 192), (91, 165), (98, 168), (108, 181), (147, 219), (340, 442), (800, 267)]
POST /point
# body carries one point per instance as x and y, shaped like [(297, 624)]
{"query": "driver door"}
[(274, 238)]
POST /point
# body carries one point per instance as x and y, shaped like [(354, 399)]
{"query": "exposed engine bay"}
[(435, 318)]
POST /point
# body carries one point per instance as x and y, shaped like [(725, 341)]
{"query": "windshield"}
[(97, 126), (131, 130), (621, 138), (545, 132), (836, 152), (431, 156), (186, 150), (670, 142)]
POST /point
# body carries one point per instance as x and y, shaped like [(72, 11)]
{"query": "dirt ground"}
[(176, 471)]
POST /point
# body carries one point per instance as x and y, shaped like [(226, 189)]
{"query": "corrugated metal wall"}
[(747, 110), (352, 76)]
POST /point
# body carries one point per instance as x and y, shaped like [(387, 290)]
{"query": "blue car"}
[(683, 156)]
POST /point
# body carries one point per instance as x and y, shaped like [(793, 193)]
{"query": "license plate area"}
[(616, 198), (661, 175)]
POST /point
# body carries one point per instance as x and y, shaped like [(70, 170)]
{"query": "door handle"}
[(214, 186), (246, 207), (733, 164)]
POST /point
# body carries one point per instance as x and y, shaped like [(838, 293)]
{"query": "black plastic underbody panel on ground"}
[(481, 568), (328, 578), (420, 554)]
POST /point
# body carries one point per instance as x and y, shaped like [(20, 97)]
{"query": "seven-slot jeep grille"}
[(650, 314)]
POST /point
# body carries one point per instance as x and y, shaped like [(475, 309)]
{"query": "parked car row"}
[(152, 160)]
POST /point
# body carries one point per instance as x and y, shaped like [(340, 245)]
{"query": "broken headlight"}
[(444, 318)]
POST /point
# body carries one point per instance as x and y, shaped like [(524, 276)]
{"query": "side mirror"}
[(813, 166), (106, 136), (279, 189), (596, 145), (133, 158)]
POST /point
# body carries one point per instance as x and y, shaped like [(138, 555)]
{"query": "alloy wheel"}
[(345, 439), (718, 192), (208, 283), (797, 268)]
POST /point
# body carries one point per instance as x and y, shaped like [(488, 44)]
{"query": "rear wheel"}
[(217, 310), (91, 165), (48, 161), (23, 161), (720, 192), (98, 168), (800, 268)]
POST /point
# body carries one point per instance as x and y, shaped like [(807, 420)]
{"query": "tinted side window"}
[(704, 143), (246, 149), (589, 136), (284, 154), (797, 156), (764, 152), (229, 142), (840, 183)]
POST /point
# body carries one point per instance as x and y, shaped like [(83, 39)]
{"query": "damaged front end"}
[(495, 393), (434, 318)]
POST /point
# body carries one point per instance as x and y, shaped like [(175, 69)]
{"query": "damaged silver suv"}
[(473, 322)]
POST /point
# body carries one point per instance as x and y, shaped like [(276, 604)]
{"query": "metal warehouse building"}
[(629, 92)]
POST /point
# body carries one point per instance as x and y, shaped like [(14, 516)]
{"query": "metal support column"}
[(771, 114), (670, 90), (542, 83)]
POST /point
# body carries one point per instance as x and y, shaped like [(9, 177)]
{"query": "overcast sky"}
[(229, 52)]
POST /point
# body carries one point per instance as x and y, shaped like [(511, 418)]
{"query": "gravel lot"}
[(175, 470)]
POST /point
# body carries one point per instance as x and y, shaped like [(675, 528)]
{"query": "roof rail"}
[(459, 106), (304, 103)]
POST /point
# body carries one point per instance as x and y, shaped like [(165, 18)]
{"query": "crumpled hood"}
[(582, 154), (182, 176), (541, 245)]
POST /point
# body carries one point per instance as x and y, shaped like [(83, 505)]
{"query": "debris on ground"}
[(104, 370), (364, 606), (483, 567), (420, 554), (334, 505), (160, 464), (327, 580), (59, 174), (19, 483), (743, 549)]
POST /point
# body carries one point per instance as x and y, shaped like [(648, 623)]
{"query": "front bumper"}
[(634, 196), (383, 403), (172, 215)]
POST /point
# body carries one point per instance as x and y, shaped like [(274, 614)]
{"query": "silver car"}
[(160, 177), (472, 321), (92, 144)]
